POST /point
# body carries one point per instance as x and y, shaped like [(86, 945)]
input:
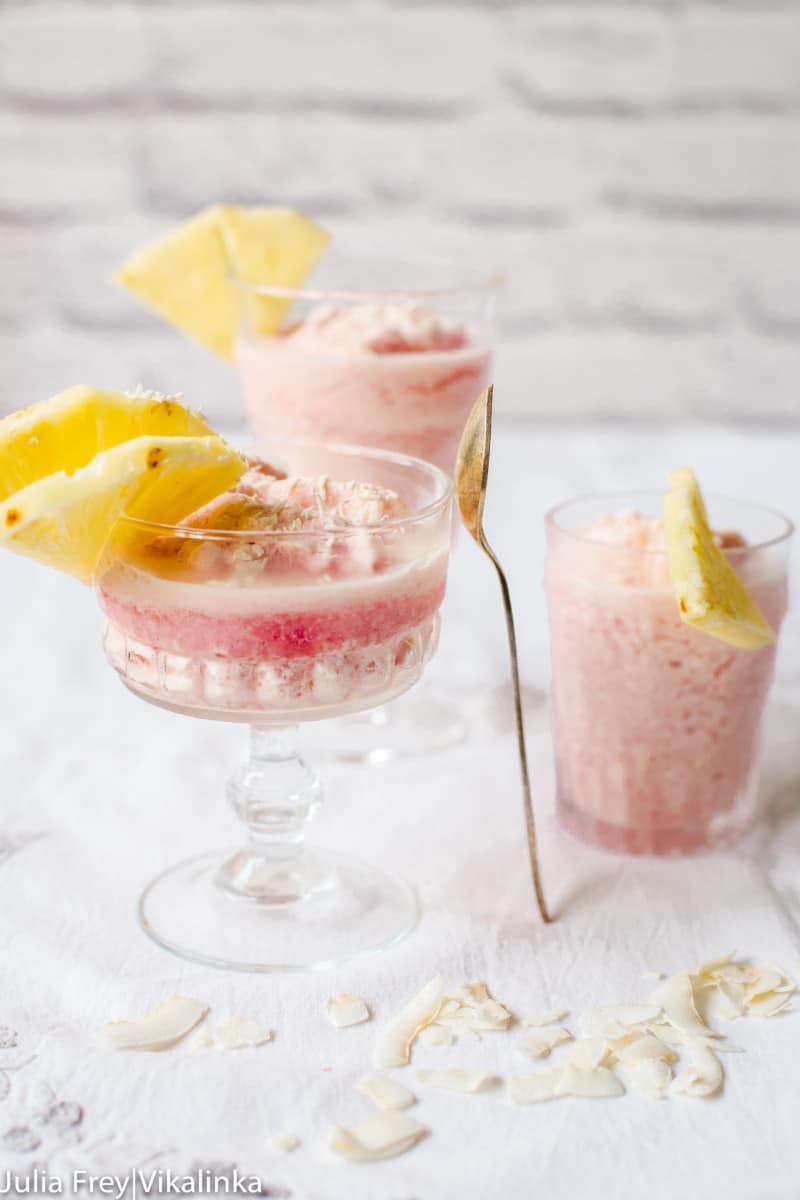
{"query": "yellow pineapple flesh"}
[(710, 594)]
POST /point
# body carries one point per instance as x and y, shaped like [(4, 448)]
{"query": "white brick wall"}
[(635, 167)]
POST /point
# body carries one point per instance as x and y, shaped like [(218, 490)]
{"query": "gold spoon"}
[(472, 472)]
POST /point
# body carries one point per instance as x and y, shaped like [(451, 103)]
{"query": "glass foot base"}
[(416, 725), (352, 910)]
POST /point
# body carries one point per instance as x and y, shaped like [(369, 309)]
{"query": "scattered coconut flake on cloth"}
[(614, 1020), (394, 1040), (648, 1046), (454, 1079), (676, 997), (437, 1035), (530, 1089), (589, 1052), (234, 1033), (383, 1135), (651, 1041), (652, 1078), (569, 1080), (468, 1013), (595, 1084), (546, 1018), (161, 1027), (344, 1010), (385, 1092), (537, 1043)]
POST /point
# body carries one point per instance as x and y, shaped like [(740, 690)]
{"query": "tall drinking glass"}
[(656, 724), (384, 352)]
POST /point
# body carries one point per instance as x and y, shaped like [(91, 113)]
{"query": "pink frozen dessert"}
[(656, 724), (292, 596), (392, 375)]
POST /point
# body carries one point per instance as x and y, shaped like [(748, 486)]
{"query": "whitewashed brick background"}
[(634, 166)]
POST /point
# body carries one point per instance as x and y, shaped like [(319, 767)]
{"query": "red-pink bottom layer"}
[(349, 677), (268, 635), (298, 661)]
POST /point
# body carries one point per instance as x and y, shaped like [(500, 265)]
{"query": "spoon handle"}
[(530, 825)]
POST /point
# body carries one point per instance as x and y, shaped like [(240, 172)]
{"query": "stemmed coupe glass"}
[(273, 628)]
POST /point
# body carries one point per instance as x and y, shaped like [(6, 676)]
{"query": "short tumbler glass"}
[(656, 725)]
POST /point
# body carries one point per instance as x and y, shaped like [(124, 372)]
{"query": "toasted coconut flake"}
[(644, 1049), (546, 1018), (676, 1037), (593, 1025), (614, 1020), (282, 1143), (383, 1135), (713, 965), (769, 1005), (491, 1015), (588, 1053), (652, 1077), (161, 1027), (736, 972), (668, 1033), (537, 1043), (393, 1042), (727, 1000), (473, 993), (703, 1077), (453, 1079), (676, 996), (617, 1046), (234, 1033), (437, 1035), (596, 1084), (344, 1010), (768, 979), (385, 1092), (531, 1089), (458, 1025)]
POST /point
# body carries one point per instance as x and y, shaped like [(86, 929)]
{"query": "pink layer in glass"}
[(656, 724), (366, 379)]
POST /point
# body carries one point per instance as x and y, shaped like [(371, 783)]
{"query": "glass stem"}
[(274, 793)]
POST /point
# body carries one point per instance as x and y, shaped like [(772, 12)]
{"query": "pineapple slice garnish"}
[(66, 431), (710, 594), (186, 275), (71, 466)]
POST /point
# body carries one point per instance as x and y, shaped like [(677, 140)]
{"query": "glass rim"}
[(552, 514), (487, 285), (369, 452)]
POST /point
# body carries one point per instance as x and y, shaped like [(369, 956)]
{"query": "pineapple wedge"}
[(66, 431), (710, 594), (186, 274), (63, 519)]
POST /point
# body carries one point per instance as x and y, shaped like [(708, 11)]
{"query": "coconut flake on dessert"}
[(263, 502), (392, 328), (321, 502)]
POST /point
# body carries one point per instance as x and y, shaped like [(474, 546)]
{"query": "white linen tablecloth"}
[(100, 792)]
